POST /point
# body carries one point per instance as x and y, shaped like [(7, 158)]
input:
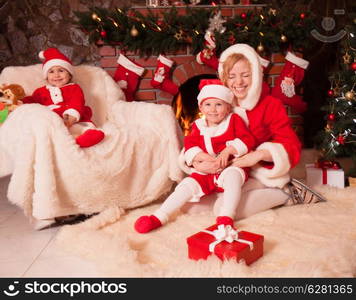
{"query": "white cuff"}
[(72, 112), (191, 153), (239, 145)]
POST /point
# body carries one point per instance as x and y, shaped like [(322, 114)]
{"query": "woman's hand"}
[(69, 120), (250, 159), (223, 157)]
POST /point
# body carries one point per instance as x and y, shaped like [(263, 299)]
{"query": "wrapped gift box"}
[(247, 246), (329, 176)]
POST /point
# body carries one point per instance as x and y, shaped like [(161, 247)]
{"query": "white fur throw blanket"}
[(315, 240), (52, 176)]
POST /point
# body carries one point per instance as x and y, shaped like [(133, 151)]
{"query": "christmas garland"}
[(266, 29)]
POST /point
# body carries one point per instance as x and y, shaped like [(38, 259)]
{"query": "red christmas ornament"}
[(232, 39), (302, 15), (341, 139), (331, 117), (103, 34), (353, 66), (330, 93), (243, 16)]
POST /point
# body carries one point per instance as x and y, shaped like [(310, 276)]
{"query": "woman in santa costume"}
[(65, 98), (278, 147), (219, 136)]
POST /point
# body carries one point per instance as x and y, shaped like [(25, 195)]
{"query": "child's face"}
[(58, 76), (214, 110)]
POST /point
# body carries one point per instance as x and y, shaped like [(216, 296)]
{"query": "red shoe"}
[(90, 138), (223, 220), (145, 224)]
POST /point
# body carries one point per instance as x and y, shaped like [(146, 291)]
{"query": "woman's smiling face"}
[(240, 79)]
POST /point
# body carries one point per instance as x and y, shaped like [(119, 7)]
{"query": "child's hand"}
[(223, 157), (68, 120)]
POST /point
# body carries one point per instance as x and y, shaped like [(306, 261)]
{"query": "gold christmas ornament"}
[(347, 58), (350, 95), (95, 17), (283, 38), (134, 31), (260, 48), (179, 35)]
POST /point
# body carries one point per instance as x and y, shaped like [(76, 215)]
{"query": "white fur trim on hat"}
[(215, 91), (56, 62), (254, 92), (277, 176), (300, 62), (166, 61), (128, 64)]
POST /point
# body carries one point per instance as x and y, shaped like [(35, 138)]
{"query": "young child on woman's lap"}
[(65, 98), (220, 136)]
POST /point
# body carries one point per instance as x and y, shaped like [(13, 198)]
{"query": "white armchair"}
[(52, 176)]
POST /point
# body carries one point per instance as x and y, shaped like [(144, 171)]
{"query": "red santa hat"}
[(214, 89), (251, 55), (53, 57)]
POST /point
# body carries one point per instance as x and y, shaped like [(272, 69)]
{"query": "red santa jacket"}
[(212, 140), (68, 99), (270, 125)]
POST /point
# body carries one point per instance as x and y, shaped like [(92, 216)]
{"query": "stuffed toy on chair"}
[(10, 95)]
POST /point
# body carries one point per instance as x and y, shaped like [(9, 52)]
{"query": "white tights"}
[(188, 188)]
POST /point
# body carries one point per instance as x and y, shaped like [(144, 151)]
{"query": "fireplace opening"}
[(185, 103)]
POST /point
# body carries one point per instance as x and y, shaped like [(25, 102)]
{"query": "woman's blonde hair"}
[(229, 63)]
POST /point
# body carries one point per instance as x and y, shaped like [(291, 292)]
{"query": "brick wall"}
[(185, 67)]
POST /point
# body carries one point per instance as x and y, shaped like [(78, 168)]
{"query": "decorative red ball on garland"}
[(302, 15), (243, 16), (353, 66), (330, 93), (341, 139), (103, 34), (331, 117)]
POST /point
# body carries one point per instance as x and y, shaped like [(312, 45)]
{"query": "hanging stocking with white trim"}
[(161, 78), (127, 76), (207, 56), (291, 76)]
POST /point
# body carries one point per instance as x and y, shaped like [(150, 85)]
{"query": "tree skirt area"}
[(312, 240)]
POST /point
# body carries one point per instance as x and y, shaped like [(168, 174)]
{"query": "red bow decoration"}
[(324, 165)]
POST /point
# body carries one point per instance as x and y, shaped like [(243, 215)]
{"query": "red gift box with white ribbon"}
[(226, 243)]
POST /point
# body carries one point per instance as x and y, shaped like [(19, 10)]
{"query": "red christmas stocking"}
[(208, 55), (160, 79), (291, 76), (127, 76)]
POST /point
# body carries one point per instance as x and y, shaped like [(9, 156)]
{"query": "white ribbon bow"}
[(226, 233)]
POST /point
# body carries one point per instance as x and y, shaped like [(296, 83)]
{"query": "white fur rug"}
[(316, 240)]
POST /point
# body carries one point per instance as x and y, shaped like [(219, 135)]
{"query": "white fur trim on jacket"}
[(277, 176), (239, 145), (128, 64), (254, 92), (191, 153), (72, 112), (300, 62)]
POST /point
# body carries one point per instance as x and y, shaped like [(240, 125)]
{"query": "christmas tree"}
[(338, 139)]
